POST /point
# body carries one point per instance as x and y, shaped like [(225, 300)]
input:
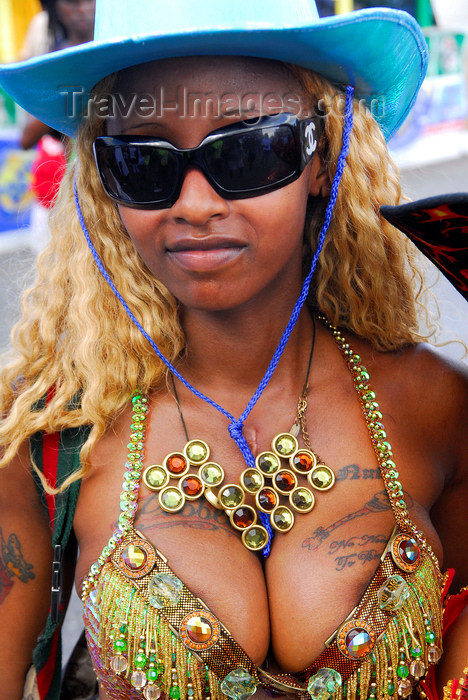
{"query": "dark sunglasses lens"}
[(137, 174), (254, 160)]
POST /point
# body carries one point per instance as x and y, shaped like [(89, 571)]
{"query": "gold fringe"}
[(121, 605)]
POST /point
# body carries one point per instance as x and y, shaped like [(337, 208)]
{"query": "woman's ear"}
[(319, 184)]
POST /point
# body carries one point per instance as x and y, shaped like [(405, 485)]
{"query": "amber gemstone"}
[(285, 481), (358, 642), (134, 557), (176, 464), (243, 517), (303, 461), (199, 629), (267, 499), (191, 486), (409, 551)]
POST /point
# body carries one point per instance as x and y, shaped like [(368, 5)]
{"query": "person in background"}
[(68, 23)]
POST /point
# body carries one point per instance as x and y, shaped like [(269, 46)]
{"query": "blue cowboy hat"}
[(381, 52)]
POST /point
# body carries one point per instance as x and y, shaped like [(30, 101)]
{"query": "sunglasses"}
[(245, 159)]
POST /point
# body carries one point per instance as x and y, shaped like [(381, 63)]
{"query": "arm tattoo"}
[(12, 564)]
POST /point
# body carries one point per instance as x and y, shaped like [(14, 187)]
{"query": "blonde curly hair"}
[(75, 337)]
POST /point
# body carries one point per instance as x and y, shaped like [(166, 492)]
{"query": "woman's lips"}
[(204, 255)]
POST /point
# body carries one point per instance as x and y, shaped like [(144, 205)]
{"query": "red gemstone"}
[(409, 551), (267, 499), (243, 517), (303, 462), (176, 464), (285, 481), (191, 486)]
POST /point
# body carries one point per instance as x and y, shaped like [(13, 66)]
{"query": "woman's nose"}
[(198, 202)]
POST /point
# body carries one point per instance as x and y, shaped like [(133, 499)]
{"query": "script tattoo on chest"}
[(197, 515), (354, 550), (354, 471), (12, 564), (377, 504)]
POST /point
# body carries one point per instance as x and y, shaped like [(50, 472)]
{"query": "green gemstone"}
[(390, 688), (393, 593), (268, 463), (123, 629), (190, 692), (282, 518), (197, 452), (211, 474), (140, 661), (231, 496), (416, 652), (120, 646), (321, 477), (285, 445), (403, 671), (430, 636), (174, 692), (164, 590), (238, 684), (302, 499), (255, 537), (155, 477), (324, 684), (252, 480), (152, 675), (172, 498)]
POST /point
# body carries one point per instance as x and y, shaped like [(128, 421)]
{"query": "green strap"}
[(65, 459)]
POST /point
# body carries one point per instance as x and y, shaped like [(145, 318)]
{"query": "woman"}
[(182, 250)]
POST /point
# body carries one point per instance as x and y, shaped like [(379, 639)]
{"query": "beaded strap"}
[(130, 489), (378, 435)]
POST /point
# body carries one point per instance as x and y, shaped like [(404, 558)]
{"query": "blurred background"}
[(431, 149)]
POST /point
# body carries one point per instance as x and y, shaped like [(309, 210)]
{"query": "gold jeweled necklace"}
[(277, 483)]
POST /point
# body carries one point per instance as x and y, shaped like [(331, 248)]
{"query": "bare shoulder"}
[(426, 391)]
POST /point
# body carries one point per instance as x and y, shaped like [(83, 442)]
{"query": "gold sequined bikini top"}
[(150, 637)]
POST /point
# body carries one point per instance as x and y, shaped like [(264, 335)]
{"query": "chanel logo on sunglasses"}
[(310, 136)]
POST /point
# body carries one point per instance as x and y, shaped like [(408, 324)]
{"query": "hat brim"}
[(438, 226), (382, 53)]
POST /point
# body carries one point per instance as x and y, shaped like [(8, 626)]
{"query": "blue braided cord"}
[(109, 281), (305, 287), (236, 426)]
